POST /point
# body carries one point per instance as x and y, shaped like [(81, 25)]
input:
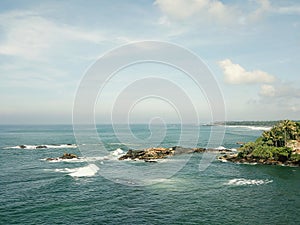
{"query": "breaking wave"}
[(114, 155), (85, 171), (89, 170), (243, 182)]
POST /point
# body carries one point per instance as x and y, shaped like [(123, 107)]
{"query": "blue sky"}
[(252, 48)]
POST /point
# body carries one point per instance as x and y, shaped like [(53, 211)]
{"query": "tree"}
[(272, 145), (289, 129)]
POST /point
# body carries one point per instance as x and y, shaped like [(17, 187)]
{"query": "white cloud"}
[(284, 97), (204, 9), (267, 90), (264, 6), (236, 74), (295, 9), (29, 35), (280, 90), (181, 9), (218, 11)]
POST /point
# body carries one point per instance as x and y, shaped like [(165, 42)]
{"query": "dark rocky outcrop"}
[(41, 146), (69, 156), (148, 154), (252, 160), (64, 156), (151, 154)]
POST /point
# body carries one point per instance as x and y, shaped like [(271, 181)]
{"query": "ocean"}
[(99, 189)]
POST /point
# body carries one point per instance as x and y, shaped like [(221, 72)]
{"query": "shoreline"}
[(254, 161)]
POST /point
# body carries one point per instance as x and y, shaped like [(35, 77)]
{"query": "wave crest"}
[(243, 182), (85, 171)]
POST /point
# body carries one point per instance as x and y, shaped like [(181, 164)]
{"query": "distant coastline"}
[(261, 123)]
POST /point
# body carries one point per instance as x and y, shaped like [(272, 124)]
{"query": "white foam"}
[(220, 148), (117, 152), (114, 155), (23, 147), (223, 160), (62, 146), (86, 171), (243, 182), (63, 160), (66, 170), (42, 146), (76, 160), (251, 127), (127, 144)]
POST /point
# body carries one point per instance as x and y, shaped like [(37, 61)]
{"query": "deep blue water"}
[(91, 190)]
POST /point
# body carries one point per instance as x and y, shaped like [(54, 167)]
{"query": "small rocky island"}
[(278, 146), (151, 154), (64, 156)]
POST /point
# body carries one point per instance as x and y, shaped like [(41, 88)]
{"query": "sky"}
[(251, 47)]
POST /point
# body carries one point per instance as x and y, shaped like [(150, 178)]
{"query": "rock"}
[(41, 146), (180, 150), (22, 146), (68, 156), (240, 143), (148, 154), (199, 150), (64, 156), (150, 161), (160, 153), (248, 159)]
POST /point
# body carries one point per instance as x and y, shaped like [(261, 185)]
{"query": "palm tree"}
[(277, 136), (268, 137), (289, 129), (297, 131), (281, 133)]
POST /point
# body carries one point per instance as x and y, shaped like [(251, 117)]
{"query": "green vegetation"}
[(279, 144), (250, 123)]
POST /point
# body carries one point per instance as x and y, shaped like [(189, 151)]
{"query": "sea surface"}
[(97, 188)]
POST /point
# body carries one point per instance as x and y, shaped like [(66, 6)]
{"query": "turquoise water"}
[(35, 191)]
